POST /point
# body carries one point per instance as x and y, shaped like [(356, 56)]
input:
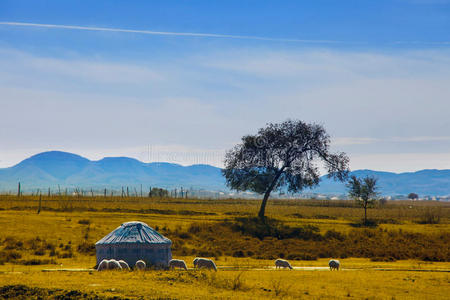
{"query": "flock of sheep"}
[(112, 264), (199, 262)]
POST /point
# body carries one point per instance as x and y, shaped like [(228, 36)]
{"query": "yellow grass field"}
[(53, 260)]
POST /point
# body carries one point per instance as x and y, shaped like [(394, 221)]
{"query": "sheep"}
[(205, 263), (281, 263), (114, 265), (177, 263), (124, 265), (195, 261), (103, 265), (140, 265), (334, 264)]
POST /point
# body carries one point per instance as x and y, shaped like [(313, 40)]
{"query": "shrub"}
[(86, 248), (332, 234), (84, 221), (238, 253), (273, 228), (34, 244), (367, 223), (10, 255), (430, 216), (50, 246), (11, 243), (39, 252), (208, 253), (297, 215), (185, 235), (324, 217), (68, 254)]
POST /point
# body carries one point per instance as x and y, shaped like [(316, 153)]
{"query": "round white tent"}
[(133, 241)]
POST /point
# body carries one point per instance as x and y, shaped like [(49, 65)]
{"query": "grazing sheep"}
[(177, 263), (103, 265), (140, 265), (195, 261), (281, 263), (114, 265), (124, 265), (334, 264), (205, 263)]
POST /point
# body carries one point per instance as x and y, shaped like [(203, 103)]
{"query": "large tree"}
[(364, 191), (282, 156)]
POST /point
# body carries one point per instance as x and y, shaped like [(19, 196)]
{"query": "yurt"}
[(133, 241)]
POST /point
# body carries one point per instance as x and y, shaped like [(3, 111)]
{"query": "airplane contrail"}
[(168, 33)]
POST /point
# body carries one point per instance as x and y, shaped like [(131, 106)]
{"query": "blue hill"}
[(50, 169), (424, 182)]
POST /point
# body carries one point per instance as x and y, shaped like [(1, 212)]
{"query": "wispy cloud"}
[(339, 141), (375, 103), (168, 33), (215, 35)]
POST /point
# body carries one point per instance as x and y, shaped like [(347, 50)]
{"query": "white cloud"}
[(338, 141), (371, 103), (87, 71), (400, 162), (180, 34)]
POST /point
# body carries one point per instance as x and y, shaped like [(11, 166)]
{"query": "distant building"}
[(133, 241)]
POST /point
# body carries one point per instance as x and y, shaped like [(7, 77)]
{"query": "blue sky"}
[(376, 74)]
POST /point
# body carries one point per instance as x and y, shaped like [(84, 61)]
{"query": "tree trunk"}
[(40, 203), (365, 214), (262, 209)]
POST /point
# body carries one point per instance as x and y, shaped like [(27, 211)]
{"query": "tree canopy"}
[(282, 155), (364, 191), (413, 196)]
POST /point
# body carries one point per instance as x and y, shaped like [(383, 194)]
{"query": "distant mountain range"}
[(50, 169)]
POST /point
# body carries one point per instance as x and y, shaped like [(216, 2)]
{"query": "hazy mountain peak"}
[(52, 168)]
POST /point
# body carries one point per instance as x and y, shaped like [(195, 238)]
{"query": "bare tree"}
[(282, 155), (364, 191)]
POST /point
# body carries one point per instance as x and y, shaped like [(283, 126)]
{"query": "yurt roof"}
[(134, 232)]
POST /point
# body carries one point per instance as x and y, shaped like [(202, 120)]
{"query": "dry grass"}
[(63, 232), (359, 284)]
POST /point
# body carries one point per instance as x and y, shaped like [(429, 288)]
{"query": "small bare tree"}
[(364, 191)]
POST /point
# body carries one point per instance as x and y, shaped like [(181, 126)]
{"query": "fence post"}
[(40, 202)]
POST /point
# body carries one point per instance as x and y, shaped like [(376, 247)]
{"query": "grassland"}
[(62, 234)]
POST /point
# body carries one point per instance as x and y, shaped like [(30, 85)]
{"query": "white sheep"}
[(114, 265), (140, 265), (281, 263), (195, 261), (124, 265), (103, 265), (334, 264), (177, 263), (205, 263)]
